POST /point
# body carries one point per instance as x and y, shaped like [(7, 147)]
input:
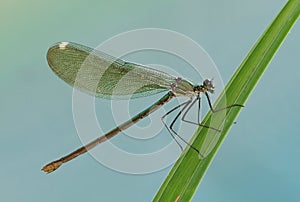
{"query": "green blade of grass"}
[(188, 171)]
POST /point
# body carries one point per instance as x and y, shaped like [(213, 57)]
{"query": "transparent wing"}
[(101, 75)]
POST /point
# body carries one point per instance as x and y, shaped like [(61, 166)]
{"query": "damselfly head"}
[(208, 86)]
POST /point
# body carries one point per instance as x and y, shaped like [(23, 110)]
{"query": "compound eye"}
[(206, 82)]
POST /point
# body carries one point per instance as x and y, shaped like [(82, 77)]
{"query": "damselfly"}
[(100, 75)]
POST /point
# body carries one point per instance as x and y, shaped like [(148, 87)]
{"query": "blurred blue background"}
[(259, 161)]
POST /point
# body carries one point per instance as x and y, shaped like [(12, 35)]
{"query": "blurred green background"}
[(259, 161)]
